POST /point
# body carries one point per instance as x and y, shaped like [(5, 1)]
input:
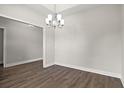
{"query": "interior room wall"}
[(91, 40), (49, 46), (1, 46), (24, 42), (123, 44)]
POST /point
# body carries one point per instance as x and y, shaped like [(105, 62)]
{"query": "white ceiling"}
[(65, 9), (39, 8), (59, 7)]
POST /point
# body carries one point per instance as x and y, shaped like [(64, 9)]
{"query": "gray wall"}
[(91, 39), (1, 45), (123, 44), (23, 42), (49, 46)]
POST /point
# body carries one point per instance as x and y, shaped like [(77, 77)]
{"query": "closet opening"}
[(1, 47)]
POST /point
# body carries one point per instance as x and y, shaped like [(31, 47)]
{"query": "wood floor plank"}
[(33, 75)]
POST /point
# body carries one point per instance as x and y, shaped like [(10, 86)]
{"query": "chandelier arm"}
[(55, 8)]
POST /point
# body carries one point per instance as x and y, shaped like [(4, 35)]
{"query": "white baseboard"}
[(1, 62), (22, 62), (122, 81), (91, 70), (47, 65)]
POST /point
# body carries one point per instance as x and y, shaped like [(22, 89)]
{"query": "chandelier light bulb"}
[(59, 17), (54, 23), (47, 21), (50, 17), (62, 22)]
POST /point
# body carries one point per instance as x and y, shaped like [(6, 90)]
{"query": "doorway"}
[(1, 47)]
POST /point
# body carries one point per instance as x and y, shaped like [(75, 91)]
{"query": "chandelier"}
[(55, 20)]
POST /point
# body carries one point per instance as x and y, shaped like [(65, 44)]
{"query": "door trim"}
[(4, 46)]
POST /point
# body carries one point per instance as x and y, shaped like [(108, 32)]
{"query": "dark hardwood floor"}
[(33, 75)]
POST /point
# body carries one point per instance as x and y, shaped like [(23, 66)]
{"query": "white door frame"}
[(4, 46), (44, 47)]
